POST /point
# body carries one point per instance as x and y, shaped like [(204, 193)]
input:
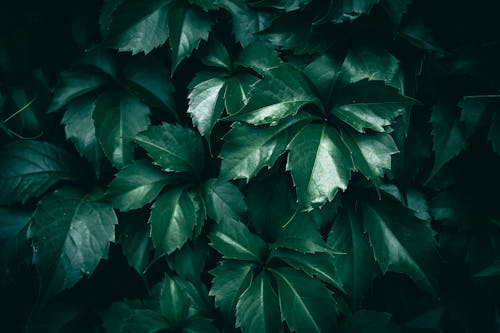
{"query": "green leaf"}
[(347, 10), (371, 152), (286, 5), (206, 104), (319, 265), (356, 268), (231, 278), (199, 325), (149, 79), (134, 25), (174, 304), (118, 117), (29, 168), (366, 321), (80, 129), (491, 271), (136, 185), (215, 54), (369, 104), (396, 10), (234, 241), (174, 215), (259, 57), (189, 261), (301, 234), (135, 241), (448, 140), (401, 243), (280, 94), (173, 148), (320, 164), (494, 132), (72, 84), (70, 235), (224, 201), (306, 304), (132, 316), (237, 91), (473, 114), (247, 149), (257, 309), (197, 293), (188, 26), (323, 72)]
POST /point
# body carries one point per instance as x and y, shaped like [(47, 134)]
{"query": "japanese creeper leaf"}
[(224, 201), (174, 304)]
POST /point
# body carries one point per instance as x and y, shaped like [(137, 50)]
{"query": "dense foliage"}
[(255, 166)]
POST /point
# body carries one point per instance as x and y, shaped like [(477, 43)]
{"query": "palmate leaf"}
[(257, 309), (137, 185), (247, 149), (402, 243), (320, 164), (306, 304), (231, 278), (173, 147), (118, 117), (224, 201), (280, 94), (29, 168), (70, 234), (234, 241), (356, 268), (174, 215)]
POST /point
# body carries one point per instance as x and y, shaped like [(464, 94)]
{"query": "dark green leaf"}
[(135, 241), (320, 164), (366, 321), (257, 309), (323, 73), (70, 235), (233, 239), (494, 132), (215, 54), (118, 117), (301, 234), (189, 261), (174, 215), (224, 201), (173, 148), (231, 278), (356, 268), (174, 304), (306, 304), (237, 91), (132, 316), (259, 57), (29, 168), (347, 10), (247, 149), (199, 325), (136, 185), (473, 114), (491, 271), (188, 26)]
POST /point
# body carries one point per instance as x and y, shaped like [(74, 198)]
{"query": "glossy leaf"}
[(30, 168), (189, 261), (135, 241), (174, 304), (224, 201), (257, 309), (70, 234)]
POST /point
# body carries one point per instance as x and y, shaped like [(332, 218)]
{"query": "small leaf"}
[(259, 57), (320, 164), (280, 94), (136, 185), (215, 54), (173, 148), (224, 201), (174, 215), (174, 304), (188, 26), (248, 149), (234, 241), (257, 309), (29, 168), (231, 278), (306, 304), (70, 235), (118, 117), (366, 321)]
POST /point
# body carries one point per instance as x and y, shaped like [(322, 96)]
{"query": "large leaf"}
[(306, 304), (402, 243), (118, 117), (320, 164), (174, 215), (29, 168), (281, 93), (356, 268), (231, 278), (233, 239), (224, 201), (188, 26), (70, 234), (257, 309), (248, 149), (173, 148), (81, 131), (448, 140), (370, 104), (134, 25), (137, 185), (174, 304)]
